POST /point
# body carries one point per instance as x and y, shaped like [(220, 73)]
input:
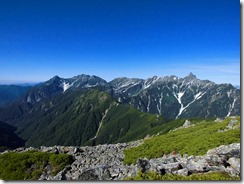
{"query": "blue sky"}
[(115, 38)]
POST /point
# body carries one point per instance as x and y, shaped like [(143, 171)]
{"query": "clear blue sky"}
[(115, 38)]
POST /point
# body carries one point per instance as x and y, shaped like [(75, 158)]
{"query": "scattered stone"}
[(232, 123), (186, 124), (218, 120), (105, 162)]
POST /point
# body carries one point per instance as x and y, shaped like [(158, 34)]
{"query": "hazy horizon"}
[(37, 82)]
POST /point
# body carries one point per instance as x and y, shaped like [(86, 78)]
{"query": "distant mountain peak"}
[(56, 77), (191, 75)]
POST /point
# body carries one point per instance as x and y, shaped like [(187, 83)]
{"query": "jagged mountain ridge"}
[(170, 96), (57, 85), (174, 97)]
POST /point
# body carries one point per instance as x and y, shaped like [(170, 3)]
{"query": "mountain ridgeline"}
[(87, 110), (174, 97), (11, 93), (169, 96)]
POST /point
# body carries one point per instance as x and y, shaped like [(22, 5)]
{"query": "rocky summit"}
[(105, 162)]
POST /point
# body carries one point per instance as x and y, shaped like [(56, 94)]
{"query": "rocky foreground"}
[(105, 162)]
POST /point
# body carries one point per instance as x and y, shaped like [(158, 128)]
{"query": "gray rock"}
[(21, 149), (60, 175), (196, 166), (235, 163), (232, 171), (89, 174), (186, 124), (183, 172), (226, 151), (232, 123), (220, 168), (168, 168), (218, 120), (143, 164), (214, 160)]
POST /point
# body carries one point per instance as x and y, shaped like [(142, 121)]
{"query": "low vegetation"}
[(207, 176), (196, 140), (30, 165)]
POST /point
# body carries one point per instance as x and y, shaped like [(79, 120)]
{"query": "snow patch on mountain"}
[(66, 86), (232, 107), (150, 82), (148, 105), (178, 96), (182, 108)]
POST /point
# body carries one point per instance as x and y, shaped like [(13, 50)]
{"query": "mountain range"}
[(87, 110), (10, 93)]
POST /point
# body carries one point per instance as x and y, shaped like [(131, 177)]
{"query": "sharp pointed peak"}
[(191, 75), (56, 77)]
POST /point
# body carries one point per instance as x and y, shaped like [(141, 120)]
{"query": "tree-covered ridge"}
[(195, 140), (87, 117), (30, 165), (8, 138), (11, 93)]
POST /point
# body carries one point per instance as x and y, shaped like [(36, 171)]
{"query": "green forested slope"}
[(11, 93), (87, 117), (8, 138)]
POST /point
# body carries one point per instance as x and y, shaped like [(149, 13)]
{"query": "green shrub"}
[(59, 162), (30, 165)]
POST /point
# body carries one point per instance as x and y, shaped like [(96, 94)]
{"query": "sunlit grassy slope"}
[(195, 140)]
